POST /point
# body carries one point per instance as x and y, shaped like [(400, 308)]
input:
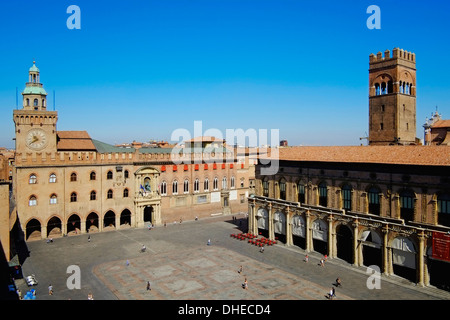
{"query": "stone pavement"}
[(180, 266)]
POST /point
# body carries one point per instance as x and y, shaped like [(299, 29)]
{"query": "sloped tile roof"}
[(405, 155)]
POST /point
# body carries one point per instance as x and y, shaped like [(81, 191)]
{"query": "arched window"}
[(73, 197), (126, 174), (232, 184), (175, 187), (215, 184), (196, 185), (323, 194), (383, 88), (401, 87), (224, 183), (377, 89), (265, 188), (52, 178), (301, 192), (206, 185), (125, 193), (43, 103), (407, 205), (346, 195), (109, 175), (109, 194), (443, 208), (282, 186), (53, 199), (373, 196), (32, 179), (35, 102), (32, 201), (92, 175), (163, 188), (93, 195), (186, 186), (28, 102), (73, 177)]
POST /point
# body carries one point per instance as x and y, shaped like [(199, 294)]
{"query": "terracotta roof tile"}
[(408, 155), (74, 141)]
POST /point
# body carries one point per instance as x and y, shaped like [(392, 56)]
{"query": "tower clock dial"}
[(36, 139)]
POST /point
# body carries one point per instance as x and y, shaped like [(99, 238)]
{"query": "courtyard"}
[(180, 265)]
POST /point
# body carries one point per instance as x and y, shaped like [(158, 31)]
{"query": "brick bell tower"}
[(392, 98), (35, 125)]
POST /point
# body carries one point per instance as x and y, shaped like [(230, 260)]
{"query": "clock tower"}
[(35, 126)]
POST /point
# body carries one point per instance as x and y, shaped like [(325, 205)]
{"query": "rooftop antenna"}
[(17, 99), (54, 100)]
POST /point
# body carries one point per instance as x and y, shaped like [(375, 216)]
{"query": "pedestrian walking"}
[(245, 284), (148, 286), (127, 263), (322, 262), (331, 294), (241, 269), (89, 238), (90, 296), (306, 258), (338, 282), (209, 242), (50, 289)]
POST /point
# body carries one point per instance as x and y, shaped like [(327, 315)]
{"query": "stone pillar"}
[(421, 253), (308, 231), (386, 251), (331, 241), (82, 226), (288, 227), (356, 260), (43, 232), (271, 228)]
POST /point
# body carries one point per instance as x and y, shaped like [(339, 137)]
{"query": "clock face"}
[(36, 139)]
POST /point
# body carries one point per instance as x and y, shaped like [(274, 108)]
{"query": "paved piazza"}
[(181, 266)]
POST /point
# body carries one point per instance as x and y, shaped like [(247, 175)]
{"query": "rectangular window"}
[(202, 199)]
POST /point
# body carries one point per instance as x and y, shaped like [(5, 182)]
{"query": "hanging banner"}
[(441, 246)]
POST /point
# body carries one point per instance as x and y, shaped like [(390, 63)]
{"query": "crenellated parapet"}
[(396, 54)]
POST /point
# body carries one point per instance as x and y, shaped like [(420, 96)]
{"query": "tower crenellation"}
[(396, 54)]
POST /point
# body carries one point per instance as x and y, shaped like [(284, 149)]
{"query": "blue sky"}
[(138, 70)]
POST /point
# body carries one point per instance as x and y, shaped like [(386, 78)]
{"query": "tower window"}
[(73, 197), (382, 108), (32, 201), (109, 194), (381, 126), (35, 102)]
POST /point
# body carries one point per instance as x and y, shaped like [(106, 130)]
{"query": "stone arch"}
[(404, 256), (320, 235), (262, 221), (371, 248), (54, 227), (109, 220), (298, 231), (344, 242), (33, 229), (92, 222), (73, 224), (279, 225)]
